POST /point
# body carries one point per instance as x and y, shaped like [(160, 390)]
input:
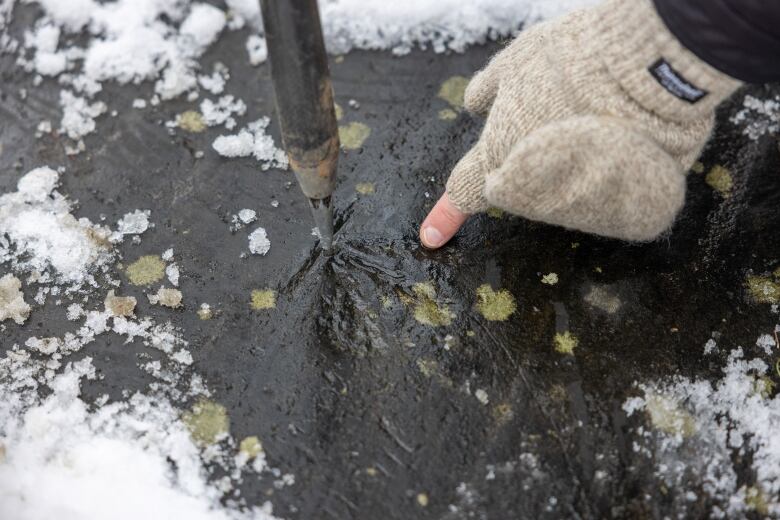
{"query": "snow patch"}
[(222, 111), (258, 242), (61, 456), (43, 236), (203, 24), (253, 140), (758, 117), (12, 304), (443, 25), (78, 115), (134, 223), (735, 415), (257, 49)]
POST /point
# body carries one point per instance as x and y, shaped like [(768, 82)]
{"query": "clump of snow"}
[(252, 140), (74, 311), (247, 216), (43, 236), (58, 453), (134, 41), (215, 83), (222, 111), (203, 24), (162, 40), (172, 272), (205, 312), (50, 63), (166, 297), (44, 127), (758, 117), (239, 145), (125, 460), (73, 14), (119, 305), (47, 61), (733, 416), (133, 223), (766, 342), (47, 346), (258, 242), (244, 12), (78, 115), (12, 304), (443, 25), (244, 217), (63, 454), (257, 49)]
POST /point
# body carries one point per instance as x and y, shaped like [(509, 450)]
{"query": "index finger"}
[(441, 224)]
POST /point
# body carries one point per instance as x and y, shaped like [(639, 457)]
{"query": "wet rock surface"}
[(369, 407)]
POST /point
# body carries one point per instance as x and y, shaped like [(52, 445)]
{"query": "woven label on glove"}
[(675, 84)]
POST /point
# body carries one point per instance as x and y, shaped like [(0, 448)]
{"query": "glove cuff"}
[(652, 65)]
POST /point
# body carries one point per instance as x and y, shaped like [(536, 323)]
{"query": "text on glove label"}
[(674, 83)]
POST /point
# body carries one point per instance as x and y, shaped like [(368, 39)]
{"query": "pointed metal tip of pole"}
[(322, 211)]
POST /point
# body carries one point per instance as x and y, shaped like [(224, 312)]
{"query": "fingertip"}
[(441, 224), (431, 237)]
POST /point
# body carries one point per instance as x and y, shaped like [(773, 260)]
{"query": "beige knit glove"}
[(593, 121)]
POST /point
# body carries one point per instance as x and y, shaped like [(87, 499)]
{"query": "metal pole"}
[(304, 102)]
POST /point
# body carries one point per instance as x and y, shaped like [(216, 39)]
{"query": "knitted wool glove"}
[(593, 121)]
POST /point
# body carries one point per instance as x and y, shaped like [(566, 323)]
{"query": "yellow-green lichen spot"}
[(365, 188), (698, 167), (755, 500), (251, 447), (719, 179), (146, 270), (764, 386), (263, 299), (427, 367), (502, 412), (207, 422), (191, 121), (447, 114), (565, 343), (353, 135), (763, 289), (427, 310), (495, 213), (453, 90), (205, 312), (495, 305)]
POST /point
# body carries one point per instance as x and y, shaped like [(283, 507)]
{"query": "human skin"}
[(441, 224)]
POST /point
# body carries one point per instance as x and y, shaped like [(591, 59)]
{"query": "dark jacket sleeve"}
[(738, 37)]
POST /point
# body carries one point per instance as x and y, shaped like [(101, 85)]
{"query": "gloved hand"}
[(593, 121)]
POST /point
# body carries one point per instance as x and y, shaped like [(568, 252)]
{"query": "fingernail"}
[(432, 237)]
